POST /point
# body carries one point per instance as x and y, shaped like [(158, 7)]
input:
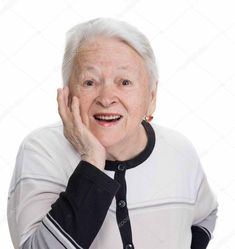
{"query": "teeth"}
[(107, 117)]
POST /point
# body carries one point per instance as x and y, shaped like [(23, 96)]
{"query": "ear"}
[(153, 100)]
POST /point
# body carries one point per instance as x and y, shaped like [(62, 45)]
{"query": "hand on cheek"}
[(76, 132)]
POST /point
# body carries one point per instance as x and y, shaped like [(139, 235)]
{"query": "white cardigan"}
[(166, 194)]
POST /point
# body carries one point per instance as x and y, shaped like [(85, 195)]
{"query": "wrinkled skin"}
[(108, 76)]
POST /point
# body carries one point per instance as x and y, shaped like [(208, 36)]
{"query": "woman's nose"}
[(106, 96)]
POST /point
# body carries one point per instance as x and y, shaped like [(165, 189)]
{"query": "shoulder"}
[(175, 141), (44, 133), (176, 153), (171, 135), (178, 161), (45, 153), (48, 139)]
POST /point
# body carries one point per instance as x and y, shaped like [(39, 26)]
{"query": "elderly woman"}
[(104, 177)]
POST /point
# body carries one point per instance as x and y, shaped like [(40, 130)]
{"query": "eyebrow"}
[(92, 68), (123, 67)]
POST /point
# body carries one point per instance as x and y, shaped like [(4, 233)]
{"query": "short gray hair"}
[(108, 27)]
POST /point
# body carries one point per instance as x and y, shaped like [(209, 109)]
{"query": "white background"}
[(194, 43)]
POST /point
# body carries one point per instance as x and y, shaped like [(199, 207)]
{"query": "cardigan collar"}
[(138, 159)]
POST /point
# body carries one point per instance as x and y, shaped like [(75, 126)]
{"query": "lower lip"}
[(107, 124)]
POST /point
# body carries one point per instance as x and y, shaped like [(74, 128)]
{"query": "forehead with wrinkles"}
[(108, 53)]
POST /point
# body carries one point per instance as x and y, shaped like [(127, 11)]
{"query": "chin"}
[(108, 141)]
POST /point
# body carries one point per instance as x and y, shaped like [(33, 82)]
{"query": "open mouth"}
[(107, 117)]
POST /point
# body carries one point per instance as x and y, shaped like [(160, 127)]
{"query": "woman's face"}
[(111, 82)]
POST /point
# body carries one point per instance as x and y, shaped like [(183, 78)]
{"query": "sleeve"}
[(40, 216), (205, 215)]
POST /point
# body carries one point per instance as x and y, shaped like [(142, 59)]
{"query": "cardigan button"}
[(121, 167), (129, 246), (122, 203)]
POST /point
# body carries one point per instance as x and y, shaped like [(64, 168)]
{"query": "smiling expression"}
[(111, 81)]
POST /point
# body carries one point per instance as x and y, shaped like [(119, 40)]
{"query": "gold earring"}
[(148, 118)]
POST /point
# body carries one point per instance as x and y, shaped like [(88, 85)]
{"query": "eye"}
[(88, 83), (126, 82)]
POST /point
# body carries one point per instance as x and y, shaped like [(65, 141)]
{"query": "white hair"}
[(108, 27)]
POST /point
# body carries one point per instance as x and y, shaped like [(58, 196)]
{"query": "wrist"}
[(97, 162)]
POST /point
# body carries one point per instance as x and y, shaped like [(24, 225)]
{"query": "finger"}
[(68, 98), (61, 105), (76, 111), (66, 95), (81, 120)]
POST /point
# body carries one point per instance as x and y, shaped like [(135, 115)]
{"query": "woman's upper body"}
[(110, 88), (167, 193)]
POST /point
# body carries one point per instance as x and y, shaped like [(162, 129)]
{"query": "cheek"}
[(138, 106), (85, 102), (139, 111), (84, 106)]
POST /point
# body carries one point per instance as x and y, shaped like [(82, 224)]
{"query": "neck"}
[(125, 149)]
